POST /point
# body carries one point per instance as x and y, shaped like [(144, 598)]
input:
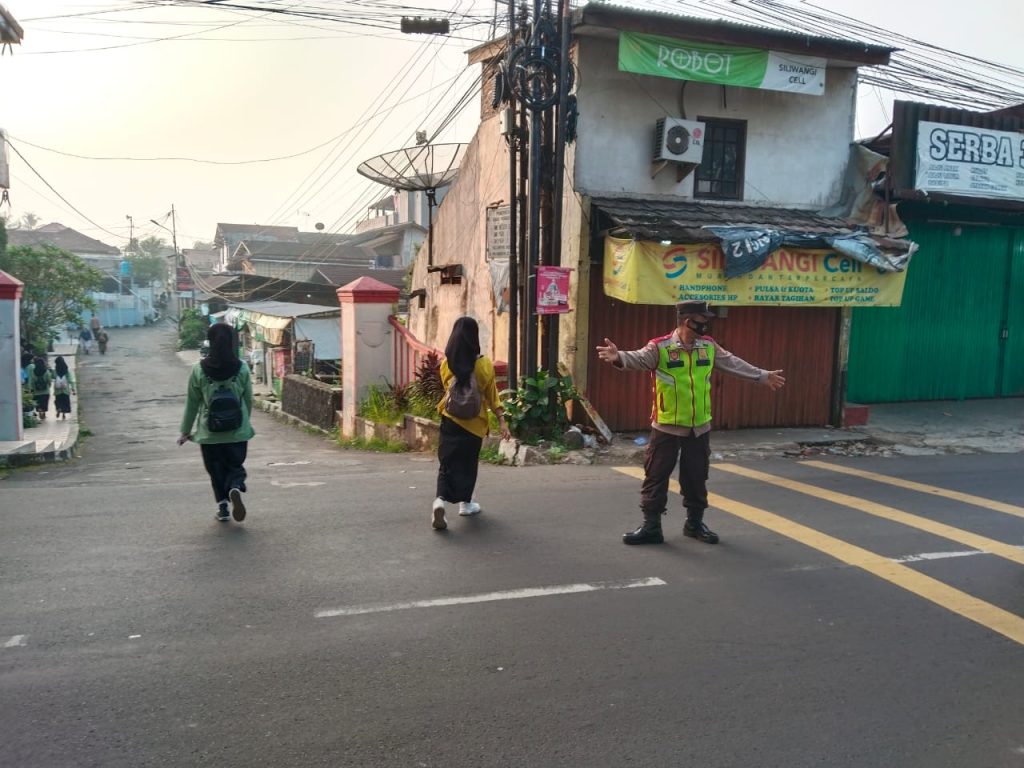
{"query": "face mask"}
[(700, 327)]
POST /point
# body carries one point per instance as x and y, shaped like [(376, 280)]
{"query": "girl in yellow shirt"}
[(461, 439)]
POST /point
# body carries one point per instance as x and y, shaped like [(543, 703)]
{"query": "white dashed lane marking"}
[(488, 597)]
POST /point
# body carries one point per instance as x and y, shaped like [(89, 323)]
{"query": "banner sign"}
[(724, 64), (642, 272), (963, 160), (552, 290), (183, 280)]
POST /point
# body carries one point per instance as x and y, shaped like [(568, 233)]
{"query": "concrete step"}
[(17, 446)]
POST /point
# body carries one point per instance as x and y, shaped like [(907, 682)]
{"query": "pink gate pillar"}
[(366, 343), (11, 428)]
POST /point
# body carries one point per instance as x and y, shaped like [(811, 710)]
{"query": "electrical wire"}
[(54, 190)]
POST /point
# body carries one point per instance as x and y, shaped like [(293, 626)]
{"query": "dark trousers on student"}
[(693, 455), (224, 464), (459, 454)]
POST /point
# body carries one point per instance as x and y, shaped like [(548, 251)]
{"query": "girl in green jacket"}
[(217, 407)]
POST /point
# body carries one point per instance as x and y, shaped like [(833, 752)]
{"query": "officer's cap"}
[(694, 308)]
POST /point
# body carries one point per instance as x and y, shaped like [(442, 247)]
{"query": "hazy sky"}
[(236, 87)]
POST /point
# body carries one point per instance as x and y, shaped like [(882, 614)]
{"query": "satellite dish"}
[(422, 168), (417, 169), (319, 226)]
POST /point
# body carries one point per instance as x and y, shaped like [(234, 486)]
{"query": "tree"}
[(29, 220), (57, 288), (148, 262)]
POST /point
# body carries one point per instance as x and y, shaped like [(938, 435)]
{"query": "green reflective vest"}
[(683, 383)]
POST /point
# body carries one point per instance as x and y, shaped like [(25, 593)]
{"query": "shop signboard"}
[(643, 272)]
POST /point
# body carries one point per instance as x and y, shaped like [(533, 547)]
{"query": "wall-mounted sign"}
[(499, 233), (642, 272), (723, 64), (183, 279), (975, 162), (552, 290)]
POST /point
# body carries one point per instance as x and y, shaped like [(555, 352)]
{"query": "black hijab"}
[(463, 348), (60, 366), (222, 362)]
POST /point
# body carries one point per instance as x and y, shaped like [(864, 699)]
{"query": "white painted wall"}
[(10, 372), (797, 145)]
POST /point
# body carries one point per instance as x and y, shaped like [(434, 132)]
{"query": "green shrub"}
[(192, 329), (537, 409), (382, 405), (491, 455)]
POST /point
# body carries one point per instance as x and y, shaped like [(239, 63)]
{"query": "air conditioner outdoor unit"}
[(678, 141)]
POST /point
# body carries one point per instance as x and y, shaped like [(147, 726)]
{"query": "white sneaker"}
[(467, 508), (437, 522)]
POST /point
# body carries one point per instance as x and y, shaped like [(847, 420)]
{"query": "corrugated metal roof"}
[(903, 151), (340, 274), (683, 221), (286, 308)]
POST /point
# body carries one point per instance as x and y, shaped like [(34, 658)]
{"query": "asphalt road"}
[(843, 621)]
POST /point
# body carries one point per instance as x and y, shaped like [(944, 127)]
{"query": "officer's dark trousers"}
[(224, 464), (693, 455)]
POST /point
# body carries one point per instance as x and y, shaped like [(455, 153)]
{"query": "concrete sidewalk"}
[(52, 439), (969, 426)]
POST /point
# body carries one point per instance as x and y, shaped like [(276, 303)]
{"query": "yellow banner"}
[(642, 272)]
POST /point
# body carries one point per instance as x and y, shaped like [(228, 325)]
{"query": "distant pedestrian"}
[(101, 340), (40, 378), (85, 337), (217, 407), (27, 358), (470, 391), (94, 324), (63, 388), (681, 363)]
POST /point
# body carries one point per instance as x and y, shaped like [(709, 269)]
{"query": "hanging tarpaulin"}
[(723, 64), (645, 272), (746, 248)]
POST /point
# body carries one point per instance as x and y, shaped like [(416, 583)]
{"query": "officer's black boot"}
[(695, 528), (648, 533)]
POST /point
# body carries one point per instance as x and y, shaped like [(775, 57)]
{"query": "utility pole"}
[(174, 232), (537, 78)]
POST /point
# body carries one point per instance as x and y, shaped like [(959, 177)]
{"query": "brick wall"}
[(311, 400)]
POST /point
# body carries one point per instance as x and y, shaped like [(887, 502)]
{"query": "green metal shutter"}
[(946, 341)]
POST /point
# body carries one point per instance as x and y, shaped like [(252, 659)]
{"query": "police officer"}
[(681, 362)]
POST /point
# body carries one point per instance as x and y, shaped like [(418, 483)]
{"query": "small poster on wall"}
[(552, 290)]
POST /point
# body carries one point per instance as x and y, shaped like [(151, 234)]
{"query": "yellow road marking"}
[(987, 615), (985, 544), (966, 498)]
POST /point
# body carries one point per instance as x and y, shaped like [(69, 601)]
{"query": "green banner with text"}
[(723, 64)]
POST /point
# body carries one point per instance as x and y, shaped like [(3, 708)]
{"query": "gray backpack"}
[(463, 402)]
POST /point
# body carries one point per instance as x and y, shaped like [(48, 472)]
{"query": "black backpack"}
[(224, 413)]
